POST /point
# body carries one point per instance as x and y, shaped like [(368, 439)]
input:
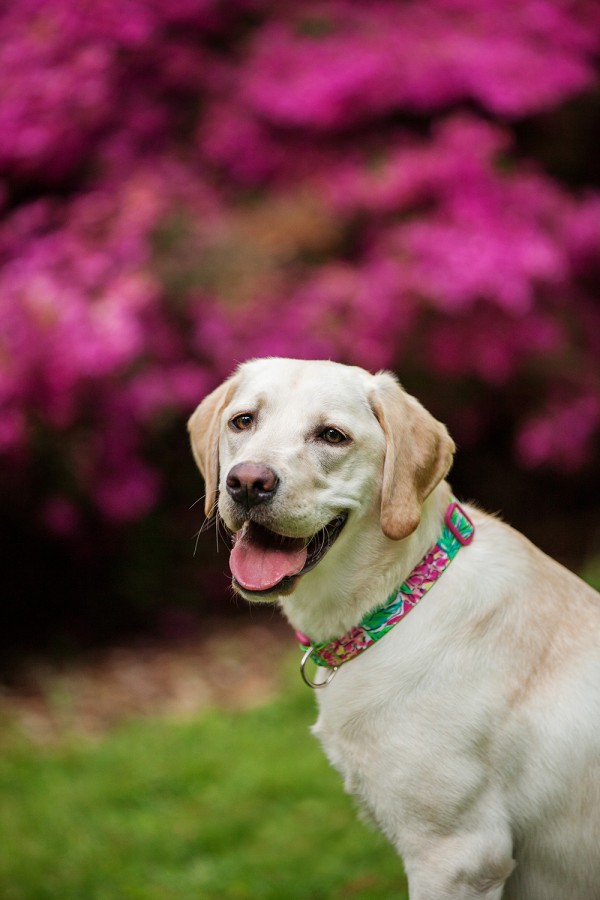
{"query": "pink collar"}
[(458, 532)]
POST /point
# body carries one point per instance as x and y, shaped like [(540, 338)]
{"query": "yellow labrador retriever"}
[(470, 728)]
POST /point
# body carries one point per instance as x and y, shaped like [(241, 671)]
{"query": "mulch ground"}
[(230, 665)]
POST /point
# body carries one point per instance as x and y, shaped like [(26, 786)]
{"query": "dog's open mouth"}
[(262, 560)]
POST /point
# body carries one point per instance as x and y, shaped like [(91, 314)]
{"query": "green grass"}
[(229, 805)]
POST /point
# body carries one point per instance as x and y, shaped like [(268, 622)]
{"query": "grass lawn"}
[(226, 805)]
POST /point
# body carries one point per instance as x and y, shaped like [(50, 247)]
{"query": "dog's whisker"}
[(207, 524), (221, 531), (197, 536)]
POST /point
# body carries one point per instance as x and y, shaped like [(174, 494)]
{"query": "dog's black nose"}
[(251, 483)]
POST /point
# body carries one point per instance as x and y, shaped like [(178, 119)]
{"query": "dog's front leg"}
[(453, 868)]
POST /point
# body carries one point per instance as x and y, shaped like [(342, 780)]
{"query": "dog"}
[(469, 730)]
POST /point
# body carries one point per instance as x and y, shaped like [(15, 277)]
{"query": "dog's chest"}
[(410, 767), (349, 747)]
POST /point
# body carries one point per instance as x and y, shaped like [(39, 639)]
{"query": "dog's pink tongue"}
[(259, 563)]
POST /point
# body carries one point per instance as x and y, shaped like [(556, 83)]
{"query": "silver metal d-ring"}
[(315, 684)]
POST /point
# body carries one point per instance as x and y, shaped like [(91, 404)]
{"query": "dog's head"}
[(292, 450)]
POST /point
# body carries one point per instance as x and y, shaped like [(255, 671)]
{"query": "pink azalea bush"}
[(188, 184)]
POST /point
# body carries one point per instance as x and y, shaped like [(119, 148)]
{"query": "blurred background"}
[(184, 184), (412, 185)]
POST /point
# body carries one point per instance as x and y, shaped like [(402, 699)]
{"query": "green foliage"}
[(229, 805)]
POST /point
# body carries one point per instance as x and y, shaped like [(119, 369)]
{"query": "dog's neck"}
[(358, 575)]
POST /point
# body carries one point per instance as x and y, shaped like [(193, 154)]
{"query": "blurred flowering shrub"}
[(188, 184)]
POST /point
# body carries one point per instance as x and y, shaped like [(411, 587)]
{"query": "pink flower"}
[(151, 237), (60, 516), (127, 495), (561, 436)]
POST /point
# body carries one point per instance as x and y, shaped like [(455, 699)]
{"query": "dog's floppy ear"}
[(418, 455), (204, 428)]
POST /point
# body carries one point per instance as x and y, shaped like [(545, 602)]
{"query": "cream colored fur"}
[(471, 732)]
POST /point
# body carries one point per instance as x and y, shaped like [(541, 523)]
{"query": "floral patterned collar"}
[(458, 532)]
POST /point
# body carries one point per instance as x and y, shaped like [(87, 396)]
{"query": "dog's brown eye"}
[(242, 422), (333, 436)]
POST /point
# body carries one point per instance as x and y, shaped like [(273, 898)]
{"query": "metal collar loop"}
[(316, 685)]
